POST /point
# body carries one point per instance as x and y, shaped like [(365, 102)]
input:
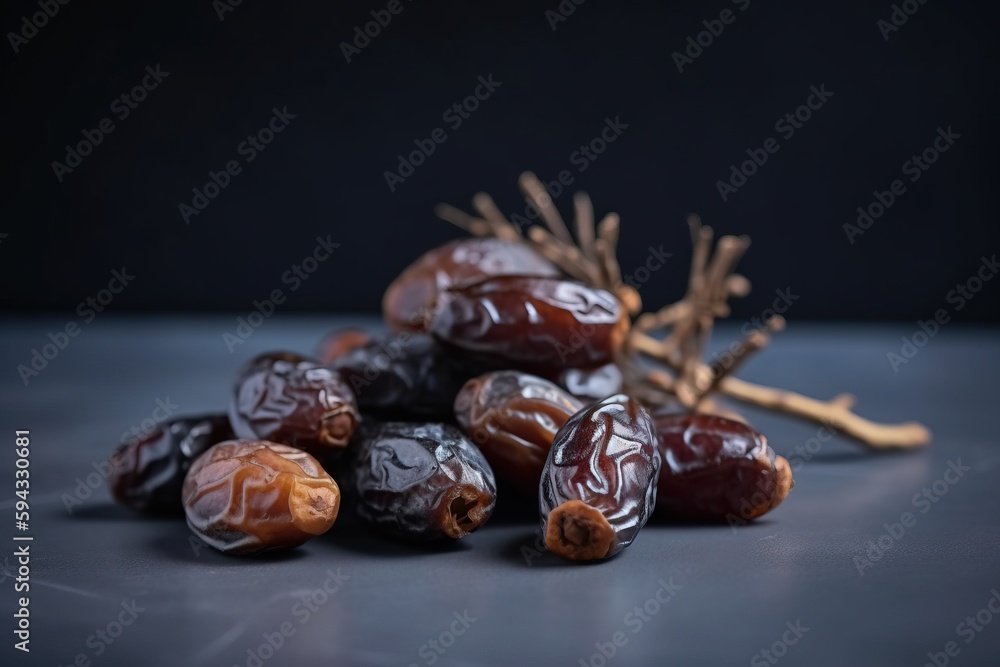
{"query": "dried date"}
[(717, 469), (410, 298), (513, 418), (539, 324), (408, 375), (286, 398), (598, 486), (147, 473), (245, 497), (422, 481)]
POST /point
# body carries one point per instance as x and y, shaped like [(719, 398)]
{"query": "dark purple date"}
[(422, 481), (289, 399), (147, 473), (598, 486), (406, 375)]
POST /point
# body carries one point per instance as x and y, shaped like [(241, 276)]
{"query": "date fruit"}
[(407, 375), (410, 298), (290, 399), (244, 497), (540, 324), (513, 418), (422, 481), (598, 486), (147, 473), (717, 469)]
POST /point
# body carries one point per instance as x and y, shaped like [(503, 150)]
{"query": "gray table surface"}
[(735, 592)]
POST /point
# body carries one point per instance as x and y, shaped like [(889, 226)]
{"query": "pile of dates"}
[(497, 372)]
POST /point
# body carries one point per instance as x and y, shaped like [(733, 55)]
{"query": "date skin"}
[(405, 376), (147, 473), (539, 324), (591, 384), (287, 398), (513, 418), (422, 482), (717, 469), (410, 298), (245, 497), (599, 483)]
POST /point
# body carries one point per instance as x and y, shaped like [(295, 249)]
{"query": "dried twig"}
[(683, 376)]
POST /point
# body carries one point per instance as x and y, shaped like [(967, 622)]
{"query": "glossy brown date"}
[(598, 486), (532, 323), (410, 298), (286, 398), (513, 418), (422, 481), (147, 473), (406, 375), (717, 469), (244, 497)]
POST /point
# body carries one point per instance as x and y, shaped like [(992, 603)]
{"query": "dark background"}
[(324, 174)]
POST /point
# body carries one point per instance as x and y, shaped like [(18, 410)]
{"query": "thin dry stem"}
[(683, 377)]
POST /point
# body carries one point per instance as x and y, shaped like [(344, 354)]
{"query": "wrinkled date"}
[(717, 469), (406, 375), (147, 473), (532, 323), (290, 399), (422, 481), (244, 497), (409, 300), (598, 486), (513, 418)]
